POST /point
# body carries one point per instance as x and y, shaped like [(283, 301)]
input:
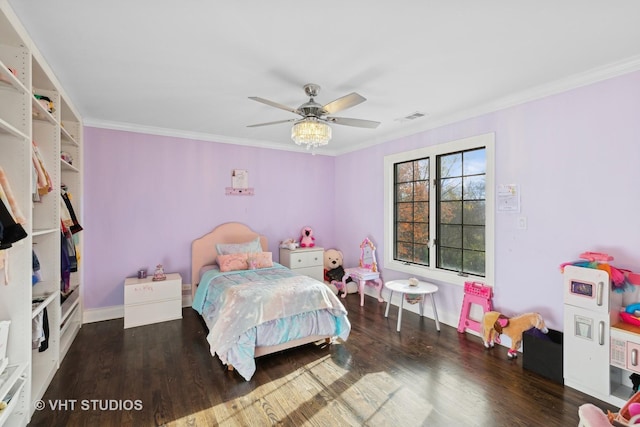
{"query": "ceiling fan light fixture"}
[(311, 132)]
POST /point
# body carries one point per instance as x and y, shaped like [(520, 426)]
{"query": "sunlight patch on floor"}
[(374, 398), (322, 392), (378, 399)]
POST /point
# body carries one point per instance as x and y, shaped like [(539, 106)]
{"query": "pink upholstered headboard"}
[(203, 249)]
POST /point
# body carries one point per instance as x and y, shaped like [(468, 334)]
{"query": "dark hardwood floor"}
[(163, 374)]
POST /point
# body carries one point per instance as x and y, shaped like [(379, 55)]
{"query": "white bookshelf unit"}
[(24, 119)]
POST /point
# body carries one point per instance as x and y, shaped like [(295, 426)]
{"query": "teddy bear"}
[(334, 271), (307, 240)]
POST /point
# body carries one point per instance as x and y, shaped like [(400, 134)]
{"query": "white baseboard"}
[(187, 299), (447, 318), (100, 314), (117, 311)]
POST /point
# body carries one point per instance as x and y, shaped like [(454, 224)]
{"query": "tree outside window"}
[(439, 209)]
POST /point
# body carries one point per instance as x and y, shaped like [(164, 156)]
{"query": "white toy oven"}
[(590, 310)]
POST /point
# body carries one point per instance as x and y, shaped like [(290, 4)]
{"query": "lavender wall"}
[(147, 197), (574, 155), (576, 159)]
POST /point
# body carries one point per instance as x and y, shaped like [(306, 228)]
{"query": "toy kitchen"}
[(601, 330)]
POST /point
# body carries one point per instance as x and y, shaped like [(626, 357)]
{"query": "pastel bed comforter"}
[(268, 306)]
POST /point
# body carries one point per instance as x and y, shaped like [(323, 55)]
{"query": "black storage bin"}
[(542, 354)]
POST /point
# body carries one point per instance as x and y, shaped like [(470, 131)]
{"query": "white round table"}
[(423, 288)]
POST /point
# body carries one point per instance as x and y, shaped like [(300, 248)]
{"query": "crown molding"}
[(575, 81)]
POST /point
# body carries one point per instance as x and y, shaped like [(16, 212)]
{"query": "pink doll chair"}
[(367, 271)]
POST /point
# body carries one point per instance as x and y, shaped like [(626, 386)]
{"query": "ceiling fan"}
[(311, 110)]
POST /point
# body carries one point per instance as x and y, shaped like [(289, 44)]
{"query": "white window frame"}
[(431, 272)]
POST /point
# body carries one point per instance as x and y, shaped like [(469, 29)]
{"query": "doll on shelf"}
[(159, 274)]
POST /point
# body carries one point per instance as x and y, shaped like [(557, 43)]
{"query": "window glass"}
[(441, 208)]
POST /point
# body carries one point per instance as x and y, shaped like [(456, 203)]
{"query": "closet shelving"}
[(13, 381), (46, 220), (70, 132), (15, 154), (23, 119)]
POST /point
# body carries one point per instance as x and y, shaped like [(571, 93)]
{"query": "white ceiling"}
[(187, 68)]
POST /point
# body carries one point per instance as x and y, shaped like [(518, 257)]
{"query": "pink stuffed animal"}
[(634, 409), (307, 240)]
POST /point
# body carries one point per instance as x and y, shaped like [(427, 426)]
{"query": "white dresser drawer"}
[(301, 258), (137, 291), (306, 259), (146, 314)]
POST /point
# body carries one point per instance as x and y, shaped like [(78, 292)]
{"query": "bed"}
[(253, 306)]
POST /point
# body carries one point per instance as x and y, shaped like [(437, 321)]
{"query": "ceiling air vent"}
[(411, 116)]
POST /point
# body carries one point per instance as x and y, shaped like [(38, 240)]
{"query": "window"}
[(439, 211)]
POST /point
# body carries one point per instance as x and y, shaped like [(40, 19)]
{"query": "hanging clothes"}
[(65, 265), (44, 344), (65, 215), (11, 230), (7, 196), (36, 276), (11, 233), (11, 216), (11, 220), (40, 330), (37, 332), (74, 226), (44, 183)]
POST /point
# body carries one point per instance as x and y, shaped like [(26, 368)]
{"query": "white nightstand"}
[(147, 302), (307, 261)]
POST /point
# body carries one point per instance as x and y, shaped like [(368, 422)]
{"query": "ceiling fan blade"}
[(271, 123), (274, 104), (353, 122), (343, 103)]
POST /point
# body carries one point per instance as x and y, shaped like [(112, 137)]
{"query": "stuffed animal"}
[(494, 324), (289, 244), (334, 272), (307, 240)]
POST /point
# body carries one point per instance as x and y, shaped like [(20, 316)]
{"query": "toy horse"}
[(494, 324)]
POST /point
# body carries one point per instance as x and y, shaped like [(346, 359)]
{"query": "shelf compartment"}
[(620, 386), (69, 328), (48, 298), (44, 231), (8, 377), (7, 79), (69, 304), (5, 127), (68, 167), (67, 138), (13, 394), (64, 326), (40, 113), (43, 368)]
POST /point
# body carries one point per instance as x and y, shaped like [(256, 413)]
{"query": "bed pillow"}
[(239, 248), (232, 262), (260, 260)]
